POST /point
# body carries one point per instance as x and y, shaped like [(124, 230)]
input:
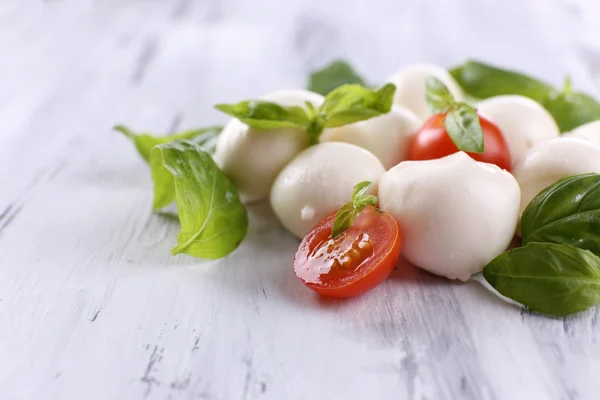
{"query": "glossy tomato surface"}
[(432, 141), (354, 262)]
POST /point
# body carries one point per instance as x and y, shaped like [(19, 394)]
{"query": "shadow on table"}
[(262, 270)]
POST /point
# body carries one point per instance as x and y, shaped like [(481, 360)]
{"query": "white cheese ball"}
[(523, 122), (589, 131), (552, 160), (455, 214), (387, 136), (252, 158), (319, 181), (410, 87)]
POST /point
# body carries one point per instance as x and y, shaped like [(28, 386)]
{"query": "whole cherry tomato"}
[(432, 141)]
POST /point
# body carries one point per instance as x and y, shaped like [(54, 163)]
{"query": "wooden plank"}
[(93, 306)]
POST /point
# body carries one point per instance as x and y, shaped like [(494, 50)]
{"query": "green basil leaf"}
[(438, 97), (548, 278), (567, 212), (360, 189), (213, 219), (332, 76), (346, 215), (164, 184), (352, 103), (481, 81), (261, 114), (359, 199), (144, 142), (464, 128), (571, 109)]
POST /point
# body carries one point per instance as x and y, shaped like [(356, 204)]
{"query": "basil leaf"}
[(438, 97), (548, 278), (481, 81), (213, 219), (464, 128), (261, 114), (567, 212), (571, 109), (164, 184), (360, 189), (332, 76), (346, 215), (352, 103), (145, 142)]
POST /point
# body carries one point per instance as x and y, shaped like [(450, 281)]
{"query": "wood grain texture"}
[(92, 305)]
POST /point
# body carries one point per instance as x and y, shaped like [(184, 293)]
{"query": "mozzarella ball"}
[(523, 122), (455, 214), (319, 181), (410, 87), (589, 131), (387, 136), (552, 160), (252, 158)]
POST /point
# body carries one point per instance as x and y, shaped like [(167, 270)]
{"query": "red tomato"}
[(354, 262), (432, 141)]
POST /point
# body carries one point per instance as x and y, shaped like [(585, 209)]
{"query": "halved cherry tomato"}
[(432, 141), (354, 262)]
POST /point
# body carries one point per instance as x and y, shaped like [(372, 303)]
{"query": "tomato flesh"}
[(432, 141), (354, 262)]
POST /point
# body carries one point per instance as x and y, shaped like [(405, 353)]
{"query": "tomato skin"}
[(432, 141), (383, 234)]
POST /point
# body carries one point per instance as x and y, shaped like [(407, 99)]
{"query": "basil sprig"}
[(144, 142), (569, 108), (346, 215), (332, 76), (213, 219), (345, 105), (557, 272), (461, 120)]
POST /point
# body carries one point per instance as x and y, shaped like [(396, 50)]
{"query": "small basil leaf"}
[(360, 189), (352, 103), (261, 114), (548, 278), (145, 142), (567, 212), (332, 76), (571, 109), (464, 128), (481, 81), (213, 219), (344, 217), (438, 97)]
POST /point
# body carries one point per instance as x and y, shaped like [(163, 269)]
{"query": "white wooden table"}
[(93, 306)]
